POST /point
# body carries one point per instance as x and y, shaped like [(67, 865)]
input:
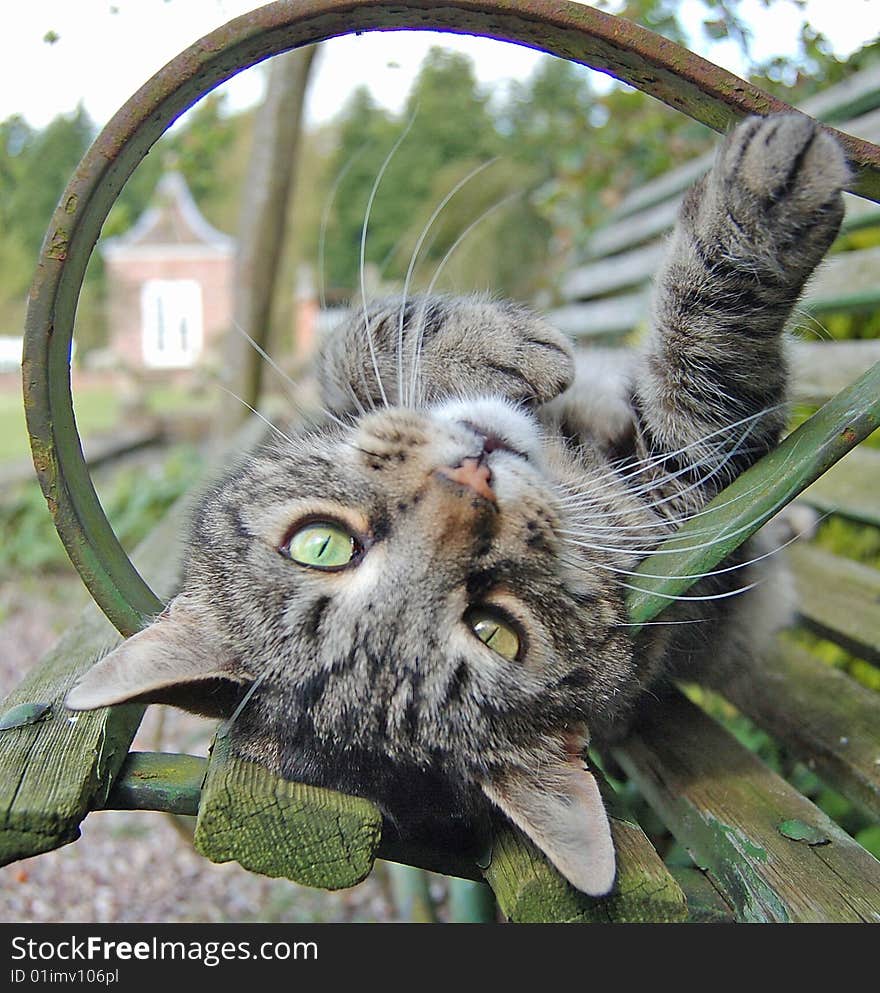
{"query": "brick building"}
[(169, 283)]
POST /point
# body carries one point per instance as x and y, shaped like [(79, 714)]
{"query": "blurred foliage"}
[(135, 498), (572, 150), (446, 120)]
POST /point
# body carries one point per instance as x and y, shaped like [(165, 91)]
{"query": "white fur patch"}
[(496, 416)]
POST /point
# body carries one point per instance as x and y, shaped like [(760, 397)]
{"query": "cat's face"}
[(417, 560), (405, 594)]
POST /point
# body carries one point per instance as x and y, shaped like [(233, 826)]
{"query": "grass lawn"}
[(97, 410)]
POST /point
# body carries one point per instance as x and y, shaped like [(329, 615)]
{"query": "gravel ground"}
[(139, 867)]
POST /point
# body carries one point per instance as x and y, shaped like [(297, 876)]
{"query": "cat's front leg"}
[(436, 348), (748, 237)]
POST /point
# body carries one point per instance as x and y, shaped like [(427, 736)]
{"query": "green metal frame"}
[(568, 30)]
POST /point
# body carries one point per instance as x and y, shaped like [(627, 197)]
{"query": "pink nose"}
[(474, 474)]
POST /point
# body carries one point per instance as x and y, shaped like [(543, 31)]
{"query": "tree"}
[(366, 133), (36, 167), (446, 120), (271, 176)]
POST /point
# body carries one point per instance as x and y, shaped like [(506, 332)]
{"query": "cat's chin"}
[(507, 424)]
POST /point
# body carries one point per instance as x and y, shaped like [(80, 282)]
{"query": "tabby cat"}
[(421, 599)]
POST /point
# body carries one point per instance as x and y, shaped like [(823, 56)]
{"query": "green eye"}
[(496, 631), (321, 545)]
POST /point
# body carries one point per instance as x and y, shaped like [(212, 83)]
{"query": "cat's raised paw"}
[(785, 159)]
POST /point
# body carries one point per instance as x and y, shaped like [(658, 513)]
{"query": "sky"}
[(102, 57)]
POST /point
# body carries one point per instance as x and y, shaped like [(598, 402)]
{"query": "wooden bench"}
[(761, 850)]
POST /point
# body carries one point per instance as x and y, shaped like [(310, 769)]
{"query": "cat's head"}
[(403, 593)]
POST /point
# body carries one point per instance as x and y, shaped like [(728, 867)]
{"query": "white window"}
[(171, 322)]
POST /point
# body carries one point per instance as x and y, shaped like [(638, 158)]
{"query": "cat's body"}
[(426, 593)]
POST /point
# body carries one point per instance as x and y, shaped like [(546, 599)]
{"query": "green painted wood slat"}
[(823, 717), (737, 818), (838, 599)]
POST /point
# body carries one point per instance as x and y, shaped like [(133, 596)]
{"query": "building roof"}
[(171, 225)]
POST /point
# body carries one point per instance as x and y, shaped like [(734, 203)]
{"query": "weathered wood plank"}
[(668, 186), (172, 783), (530, 890), (638, 229), (850, 488), (635, 230), (321, 838), (278, 828), (52, 773), (705, 903), (601, 318), (847, 100), (846, 281), (821, 369), (823, 717), (735, 817), (608, 275), (839, 599)]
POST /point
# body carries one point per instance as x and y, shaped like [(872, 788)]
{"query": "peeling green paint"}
[(25, 714), (799, 831), (743, 844)]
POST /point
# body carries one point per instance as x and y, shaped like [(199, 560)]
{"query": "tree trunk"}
[(270, 179)]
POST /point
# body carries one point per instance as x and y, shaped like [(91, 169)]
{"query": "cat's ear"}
[(560, 808), (175, 660)]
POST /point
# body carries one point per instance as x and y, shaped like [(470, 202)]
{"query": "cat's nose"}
[(474, 474)]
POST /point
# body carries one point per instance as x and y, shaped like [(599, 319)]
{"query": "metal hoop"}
[(568, 30)]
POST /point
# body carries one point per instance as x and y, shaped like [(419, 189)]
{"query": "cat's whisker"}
[(722, 537), (640, 466), (290, 384), (412, 264), (700, 483), (363, 250), (415, 391), (708, 596), (692, 620), (325, 220), (363, 451), (667, 523), (815, 327), (668, 478), (655, 624), (243, 702), (699, 575), (586, 501), (261, 416)]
